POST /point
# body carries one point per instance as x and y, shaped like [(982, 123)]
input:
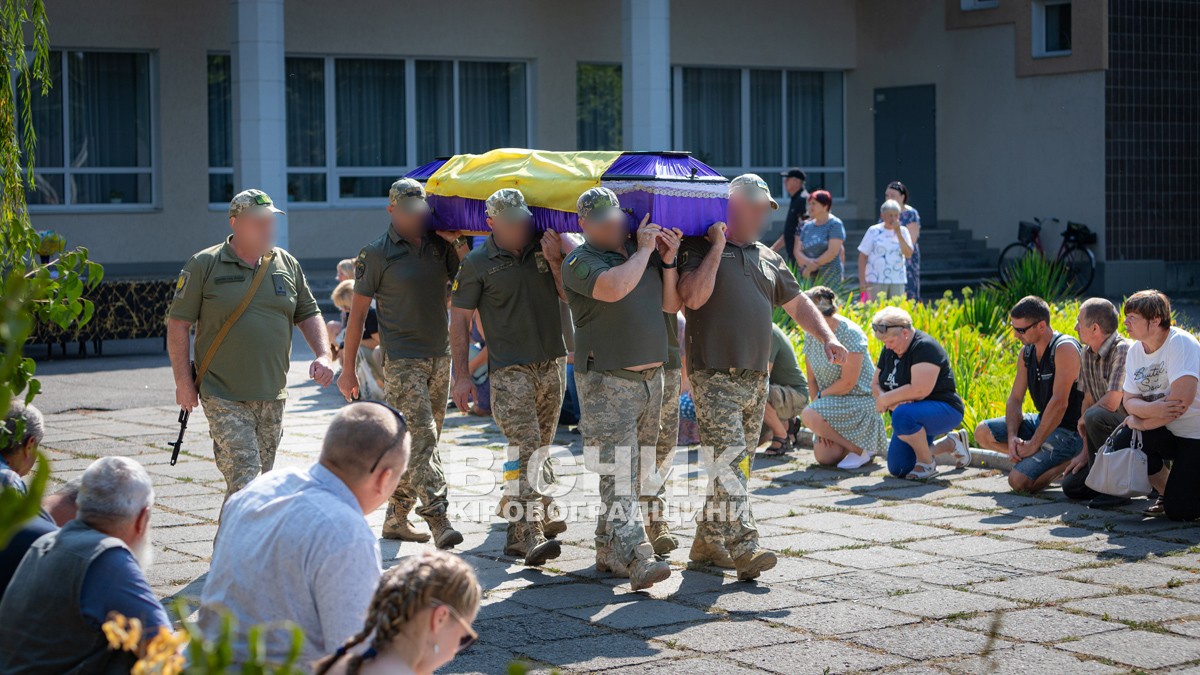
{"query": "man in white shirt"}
[(295, 545)]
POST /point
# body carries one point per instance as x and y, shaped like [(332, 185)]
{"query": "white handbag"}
[(1120, 472)]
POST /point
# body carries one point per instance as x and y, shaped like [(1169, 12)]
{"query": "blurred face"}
[(1026, 331), (816, 208), (407, 223), (793, 185), (747, 215), (451, 632), (254, 230), (890, 218), (607, 234), (893, 194), (512, 234)]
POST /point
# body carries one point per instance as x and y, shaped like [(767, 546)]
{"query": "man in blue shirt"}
[(57, 510)]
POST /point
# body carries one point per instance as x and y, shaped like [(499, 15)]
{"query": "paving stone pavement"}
[(957, 575)]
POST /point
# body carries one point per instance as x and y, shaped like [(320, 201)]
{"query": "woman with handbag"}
[(1161, 372)]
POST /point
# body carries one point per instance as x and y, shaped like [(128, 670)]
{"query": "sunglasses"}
[(471, 637), (1021, 331), (882, 328), (399, 435)]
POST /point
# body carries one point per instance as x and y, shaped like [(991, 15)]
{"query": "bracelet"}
[(460, 242), (670, 266)]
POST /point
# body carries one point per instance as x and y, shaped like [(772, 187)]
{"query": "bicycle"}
[(1073, 254)]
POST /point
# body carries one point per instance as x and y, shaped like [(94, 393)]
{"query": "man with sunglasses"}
[(407, 271), (618, 288), (514, 281), (730, 284), (1039, 444)]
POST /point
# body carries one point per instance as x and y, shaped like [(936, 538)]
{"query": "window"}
[(1051, 27), (94, 141), (969, 5), (764, 121), (598, 106), (354, 125)]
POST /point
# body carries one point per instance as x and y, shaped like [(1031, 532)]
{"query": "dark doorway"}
[(906, 146)]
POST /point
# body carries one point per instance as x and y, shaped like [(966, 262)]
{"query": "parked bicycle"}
[(1073, 254)]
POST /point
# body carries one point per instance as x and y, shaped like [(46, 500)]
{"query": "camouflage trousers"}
[(419, 389), (668, 437), (245, 437), (729, 412), (526, 400), (618, 416)]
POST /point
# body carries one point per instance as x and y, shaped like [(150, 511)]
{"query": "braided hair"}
[(404, 591)]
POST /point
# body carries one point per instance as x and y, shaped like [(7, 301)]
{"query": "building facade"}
[(992, 111)]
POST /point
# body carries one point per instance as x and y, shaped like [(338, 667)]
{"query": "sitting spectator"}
[(787, 394), (1161, 371), (57, 510), (70, 580), (18, 454), (369, 364), (295, 544), (818, 249), (420, 619), (1039, 444), (882, 255), (345, 272), (847, 430), (915, 382), (1101, 377)]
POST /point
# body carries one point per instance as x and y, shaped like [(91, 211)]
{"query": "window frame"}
[(975, 5), (745, 131), (334, 173), (66, 170), (1038, 29)]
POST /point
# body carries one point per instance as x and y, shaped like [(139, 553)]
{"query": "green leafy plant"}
[(1033, 274)]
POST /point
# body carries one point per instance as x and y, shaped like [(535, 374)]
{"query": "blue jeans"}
[(933, 417), (1060, 446)]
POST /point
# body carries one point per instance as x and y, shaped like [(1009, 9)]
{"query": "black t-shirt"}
[(797, 213), (371, 325), (896, 371)]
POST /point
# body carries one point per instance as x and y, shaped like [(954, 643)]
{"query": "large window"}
[(764, 121), (94, 140), (598, 106), (354, 125)]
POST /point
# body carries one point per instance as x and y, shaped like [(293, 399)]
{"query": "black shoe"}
[(1107, 502), (794, 427)]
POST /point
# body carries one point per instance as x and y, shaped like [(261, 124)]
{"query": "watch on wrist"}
[(671, 265), (460, 242)]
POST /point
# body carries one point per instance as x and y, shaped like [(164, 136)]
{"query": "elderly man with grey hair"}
[(70, 580), (295, 545), (23, 431), (882, 255)]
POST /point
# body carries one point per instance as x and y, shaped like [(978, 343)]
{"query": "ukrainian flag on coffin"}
[(676, 189)]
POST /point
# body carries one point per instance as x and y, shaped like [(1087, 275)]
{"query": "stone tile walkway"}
[(876, 574)]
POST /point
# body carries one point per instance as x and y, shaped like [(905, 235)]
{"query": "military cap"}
[(507, 203), (251, 199), (408, 194), (598, 203), (754, 187)]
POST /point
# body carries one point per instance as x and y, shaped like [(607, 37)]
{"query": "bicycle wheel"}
[(1080, 265), (1010, 257)]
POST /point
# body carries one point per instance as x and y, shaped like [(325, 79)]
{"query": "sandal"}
[(794, 427), (773, 450), (962, 451), (1158, 508), (922, 471)]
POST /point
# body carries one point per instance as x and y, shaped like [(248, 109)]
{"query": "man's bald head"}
[(362, 433)]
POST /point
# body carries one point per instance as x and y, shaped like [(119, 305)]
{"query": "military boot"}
[(710, 553), (396, 525), (551, 527), (754, 562), (538, 548), (645, 570), (515, 542), (661, 538), (444, 534)]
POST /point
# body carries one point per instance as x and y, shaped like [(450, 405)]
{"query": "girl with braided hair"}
[(419, 619)]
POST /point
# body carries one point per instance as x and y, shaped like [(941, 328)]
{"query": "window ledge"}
[(93, 208)]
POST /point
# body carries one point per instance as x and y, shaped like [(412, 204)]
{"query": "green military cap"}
[(507, 204), (751, 185), (408, 194), (598, 204), (252, 199)]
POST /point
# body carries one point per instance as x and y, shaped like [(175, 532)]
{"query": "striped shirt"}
[(1103, 370)]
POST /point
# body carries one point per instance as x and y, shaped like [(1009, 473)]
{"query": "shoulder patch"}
[(683, 257), (181, 283), (579, 267), (360, 266)]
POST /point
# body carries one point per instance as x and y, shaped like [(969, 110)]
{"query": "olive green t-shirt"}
[(517, 302), (614, 335), (252, 361), (410, 286), (785, 369), (733, 329), (674, 362)]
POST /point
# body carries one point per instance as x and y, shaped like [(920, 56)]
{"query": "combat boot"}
[(539, 548), (661, 538), (396, 525), (710, 553), (607, 563), (552, 526), (444, 534), (754, 562), (646, 570), (515, 542)]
